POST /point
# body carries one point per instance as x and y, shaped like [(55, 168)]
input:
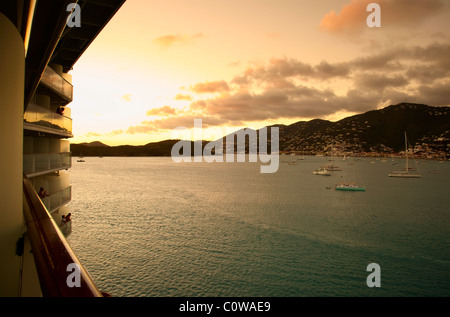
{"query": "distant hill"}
[(94, 144), (379, 131), (163, 148)]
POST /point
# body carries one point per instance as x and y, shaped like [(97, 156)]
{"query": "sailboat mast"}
[(406, 173), (406, 152)]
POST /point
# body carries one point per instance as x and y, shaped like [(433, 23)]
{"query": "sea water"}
[(149, 227)]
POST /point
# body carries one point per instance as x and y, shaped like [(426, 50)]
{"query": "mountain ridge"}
[(380, 131)]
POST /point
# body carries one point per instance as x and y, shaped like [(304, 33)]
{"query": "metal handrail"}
[(52, 254)]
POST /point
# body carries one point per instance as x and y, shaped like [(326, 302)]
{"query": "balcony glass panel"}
[(56, 82), (42, 117), (39, 163), (58, 199)]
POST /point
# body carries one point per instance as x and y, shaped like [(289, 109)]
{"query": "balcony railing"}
[(53, 257), (42, 163), (56, 200), (57, 83), (41, 119)]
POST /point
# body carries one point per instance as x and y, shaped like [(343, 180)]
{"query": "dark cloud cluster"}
[(283, 69), (290, 88)]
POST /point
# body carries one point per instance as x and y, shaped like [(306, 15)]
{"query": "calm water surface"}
[(151, 227)]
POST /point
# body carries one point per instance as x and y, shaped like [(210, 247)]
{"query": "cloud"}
[(183, 97), (280, 71), (326, 70), (163, 111), (408, 13), (115, 133), (186, 120), (171, 123), (297, 102), (110, 134), (280, 67), (379, 82), (288, 88), (210, 87), (434, 55), (381, 61), (398, 13), (169, 40), (426, 75), (144, 129), (92, 134), (438, 94), (126, 97), (352, 18)]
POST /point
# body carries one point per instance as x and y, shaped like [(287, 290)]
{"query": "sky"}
[(159, 65)]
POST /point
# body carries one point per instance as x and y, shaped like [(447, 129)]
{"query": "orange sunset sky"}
[(159, 65)]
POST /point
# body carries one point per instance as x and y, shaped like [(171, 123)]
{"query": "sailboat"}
[(350, 186), (332, 167), (408, 172), (322, 171)]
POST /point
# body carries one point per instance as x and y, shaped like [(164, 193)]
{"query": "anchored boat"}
[(350, 187), (323, 171), (408, 172)]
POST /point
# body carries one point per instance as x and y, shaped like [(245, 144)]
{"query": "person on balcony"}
[(65, 219), (43, 193), (60, 110)]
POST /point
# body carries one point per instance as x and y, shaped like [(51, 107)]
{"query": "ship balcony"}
[(41, 119), (58, 199), (45, 163), (57, 84), (51, 253)]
